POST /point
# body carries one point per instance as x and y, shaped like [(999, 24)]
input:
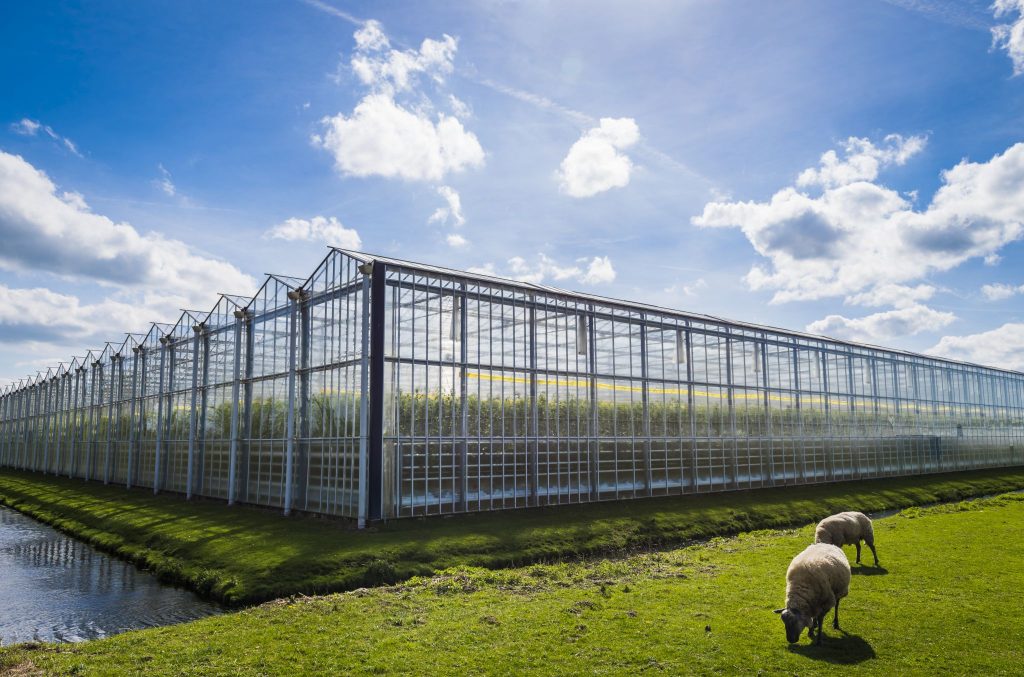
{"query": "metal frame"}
[(378, 388)]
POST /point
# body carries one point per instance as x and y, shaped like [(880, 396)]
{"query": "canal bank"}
[(944, 601), (243, 555)]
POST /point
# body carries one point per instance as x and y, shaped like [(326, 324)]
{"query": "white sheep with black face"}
[(847, 528), (816, 580)]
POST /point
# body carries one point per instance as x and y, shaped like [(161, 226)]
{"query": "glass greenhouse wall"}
[(379, 388)]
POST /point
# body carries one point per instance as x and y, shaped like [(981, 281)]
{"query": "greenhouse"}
[(378, 388)]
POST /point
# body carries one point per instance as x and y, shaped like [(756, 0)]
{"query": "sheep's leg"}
[(821, 620), (835, 618), (858, 551), (874, 552)]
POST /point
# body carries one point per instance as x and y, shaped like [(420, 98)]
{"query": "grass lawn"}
[(245, 554), (946, 602)]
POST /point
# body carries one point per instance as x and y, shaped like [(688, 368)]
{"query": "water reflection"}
[(54, 588)]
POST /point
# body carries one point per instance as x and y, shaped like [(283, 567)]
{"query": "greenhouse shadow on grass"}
[(378, 388)]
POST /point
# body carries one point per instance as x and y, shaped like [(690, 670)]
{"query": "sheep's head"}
[(795, 623)]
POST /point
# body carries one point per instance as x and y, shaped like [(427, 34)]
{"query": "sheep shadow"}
[(846, 649), (865, 570)]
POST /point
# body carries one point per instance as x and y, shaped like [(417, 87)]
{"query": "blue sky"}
[(850, 169)]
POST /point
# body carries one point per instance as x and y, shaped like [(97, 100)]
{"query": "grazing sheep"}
[(816, 580), (847, 528)]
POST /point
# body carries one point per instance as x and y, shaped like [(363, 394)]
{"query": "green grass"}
[(946, 602), (244, 555)]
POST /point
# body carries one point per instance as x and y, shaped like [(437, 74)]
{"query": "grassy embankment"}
[(244, 555), (946, 602)]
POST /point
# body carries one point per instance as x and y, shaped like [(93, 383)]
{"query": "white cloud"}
[(456, 240), (862, 160), (687, 289), (1000, 347), (384, 136), (459, 107), (317, 229), (393, 71), (164, 183), (452, 212), (889, 324), (27, 127), (1000, 291), (897, 295), (371, 37), (598, 270), (594, 163), (861, 235), (1010, 36), (46, 231), (42, 316)]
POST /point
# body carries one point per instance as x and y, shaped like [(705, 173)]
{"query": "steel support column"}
[(236, 376), (193, 415), (375, 476), (160, 416)]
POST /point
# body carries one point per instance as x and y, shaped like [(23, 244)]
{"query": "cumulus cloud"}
[(594, 163), (317, 229), (457, 241), (897, 295), (1000, 291), (45, 230), (452, 212), (850, 237), (906, 321), (385, 136), (1010, 36), (27, 127), (1000, 347), (40, 315), (597, 270), (861, 160)]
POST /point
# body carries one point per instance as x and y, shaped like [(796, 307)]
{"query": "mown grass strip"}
[(244, 555), (946, 602)]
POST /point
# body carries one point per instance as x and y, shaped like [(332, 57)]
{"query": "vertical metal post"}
[(854, 417), (305, 396), (61, 405), (645, 397), (364, 395), (768, 429), (95, 414), (204, 395), (197, 331), (375, 477), (289, 458), (142, 424), (463, 330), (877, 410), (731, 401), (47, 410), (236, 375), (73, 423), (160, 415), (109, 457), (823, 359), (802, 442), (533, 431), (246, 414), (595, 420), (132, 430)]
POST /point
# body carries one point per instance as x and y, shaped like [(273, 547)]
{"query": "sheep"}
[(847, 528), (816, 580)]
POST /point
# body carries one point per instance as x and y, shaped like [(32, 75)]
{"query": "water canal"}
[(54, 588)]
